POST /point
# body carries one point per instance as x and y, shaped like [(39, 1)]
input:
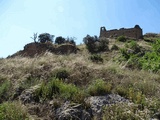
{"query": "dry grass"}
[(82, 71)]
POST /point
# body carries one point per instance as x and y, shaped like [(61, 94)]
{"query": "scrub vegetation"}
[(129, 68)]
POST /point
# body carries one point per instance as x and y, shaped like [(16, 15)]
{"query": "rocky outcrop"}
[(72, 112), (34, 49), (28, 95), (94, 107), (68, 110), (98, 102)]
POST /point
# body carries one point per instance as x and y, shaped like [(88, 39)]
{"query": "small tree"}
[(60, 40), (103, 46), (95, 44), (90, 43), (71, 40), (34, 37), (121, 38), (45, 37)]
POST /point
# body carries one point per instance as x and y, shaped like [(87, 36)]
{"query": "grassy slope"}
[(136, 85)]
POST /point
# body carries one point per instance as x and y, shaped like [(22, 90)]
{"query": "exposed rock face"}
[(72, 112), (33, 49), (97, 102), (27, 96)]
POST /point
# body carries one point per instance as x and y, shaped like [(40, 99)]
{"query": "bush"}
[(90, 43), (132, 94), (124, 112), (150, 61), (114, 47), (45, 37), (29, 81), (99, 87), (103, 44), (5, 88), (71, 40), (96, 58), (61, 74), (57, 88), (60, 40), (125, 54), (95, 45), (12, 111), (135, 47), (121, 39)]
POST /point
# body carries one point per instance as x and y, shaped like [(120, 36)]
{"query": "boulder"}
[(72, 112), (98, 102), (28, 95)]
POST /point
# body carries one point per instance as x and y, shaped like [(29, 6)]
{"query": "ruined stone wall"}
[(135, 32)]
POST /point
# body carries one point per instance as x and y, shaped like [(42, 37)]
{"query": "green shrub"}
[(124, 53), (124, 112), (95, 44), (45, 37), (99, 87), (30, 81), (56, 88), (114, 47), (96, 58), (135, 95), (103, 44), (5, 90), (122, 39), (150, 61), (12, 111), (135, 47), (62, 74), (60, 40)]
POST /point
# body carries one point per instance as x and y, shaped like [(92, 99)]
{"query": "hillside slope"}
[(74, 86)]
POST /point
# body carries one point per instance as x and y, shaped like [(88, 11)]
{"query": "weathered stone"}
[(72, 112), (34, 49), (135, 33), (28, 95), (97, 102), (17, 93)]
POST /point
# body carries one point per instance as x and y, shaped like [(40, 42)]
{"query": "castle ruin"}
[(134, 33)]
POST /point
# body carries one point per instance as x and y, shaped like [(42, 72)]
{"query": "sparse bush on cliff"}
[(71, 40), (34, 37), (60, 40), (114, 47), (99, 87), (137, 57), (5, 87), (150, 61), (62, 74), (95, 44), (103, 44), (121, 39), (96, 58), (90, 43), (45, 37)]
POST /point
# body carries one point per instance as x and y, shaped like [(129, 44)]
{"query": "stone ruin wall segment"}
[(135, 33)]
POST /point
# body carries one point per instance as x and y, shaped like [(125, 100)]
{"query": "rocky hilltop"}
[(33, 49)]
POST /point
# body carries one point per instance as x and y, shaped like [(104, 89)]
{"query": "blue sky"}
[(19, 19)]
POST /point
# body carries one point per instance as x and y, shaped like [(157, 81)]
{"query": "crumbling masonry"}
[(135, 33)]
